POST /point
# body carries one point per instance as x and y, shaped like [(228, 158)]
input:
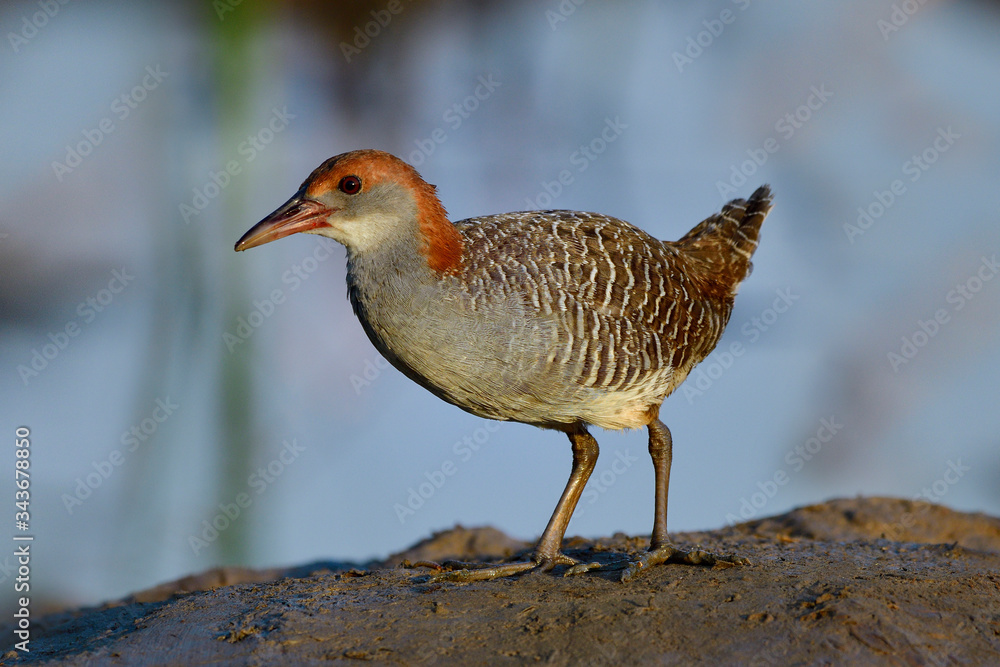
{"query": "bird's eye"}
[(350, 185)]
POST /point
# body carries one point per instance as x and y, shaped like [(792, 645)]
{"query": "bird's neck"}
[(403, 275), (392, 289), (390, 274), (439, 240)]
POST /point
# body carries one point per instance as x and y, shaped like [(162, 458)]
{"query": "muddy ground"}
[(865, 581)]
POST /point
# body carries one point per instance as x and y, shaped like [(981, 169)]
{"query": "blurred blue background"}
[(171, 384)]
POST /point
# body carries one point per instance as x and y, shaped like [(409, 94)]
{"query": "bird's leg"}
[(585, 452), (547, 554), (660, 549), (661, 450)]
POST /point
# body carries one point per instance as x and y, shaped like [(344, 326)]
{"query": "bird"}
[(555, 318)]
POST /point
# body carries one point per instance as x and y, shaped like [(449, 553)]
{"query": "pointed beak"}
[(298, 214)]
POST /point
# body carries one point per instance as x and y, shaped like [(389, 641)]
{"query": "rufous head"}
[(363, 199)]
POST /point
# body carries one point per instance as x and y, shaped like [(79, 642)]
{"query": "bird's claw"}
[(462, 572), (669, 554), (580, 568), (481, 573)]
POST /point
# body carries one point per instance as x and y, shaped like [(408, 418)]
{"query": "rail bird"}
[(560, 319)]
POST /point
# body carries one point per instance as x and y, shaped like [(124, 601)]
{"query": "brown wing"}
[(626, 304)]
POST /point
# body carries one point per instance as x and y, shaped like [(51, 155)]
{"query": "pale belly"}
[(509, 366)]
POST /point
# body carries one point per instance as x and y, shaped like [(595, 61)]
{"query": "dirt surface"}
[(866, 581)]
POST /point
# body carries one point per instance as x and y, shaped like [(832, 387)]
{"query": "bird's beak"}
[(298, 214)]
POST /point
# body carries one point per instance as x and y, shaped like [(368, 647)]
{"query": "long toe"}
[(485, 573), (580, 568), (466, 572), (668, 553)]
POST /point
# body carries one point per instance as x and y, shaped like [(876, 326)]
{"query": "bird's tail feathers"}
[(727, 240)]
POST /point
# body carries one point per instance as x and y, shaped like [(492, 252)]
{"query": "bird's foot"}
[(580, 568), (462, 572), (466, 572), (668, 553)]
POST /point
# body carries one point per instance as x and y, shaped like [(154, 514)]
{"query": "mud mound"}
[(853, 581)]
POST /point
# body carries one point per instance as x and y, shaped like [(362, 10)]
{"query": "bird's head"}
[(365, 199)]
